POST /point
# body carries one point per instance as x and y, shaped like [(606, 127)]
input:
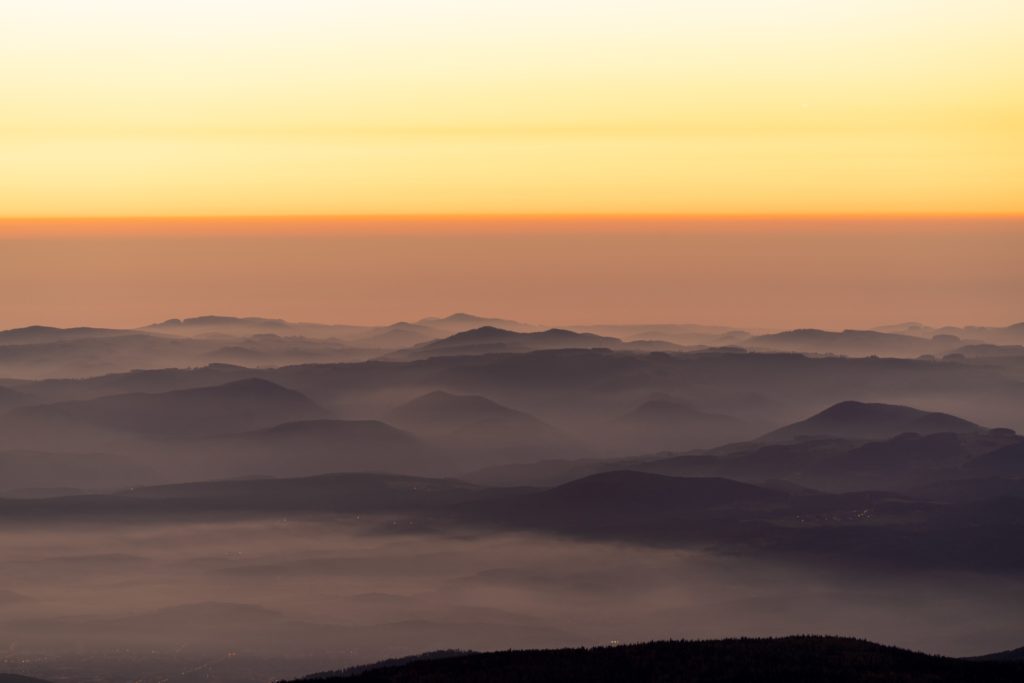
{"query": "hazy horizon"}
[(763, 273)]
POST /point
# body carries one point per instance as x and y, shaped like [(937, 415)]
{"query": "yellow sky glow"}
[(331, 107)]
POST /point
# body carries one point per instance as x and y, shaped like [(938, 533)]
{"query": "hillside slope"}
[(796, 659)]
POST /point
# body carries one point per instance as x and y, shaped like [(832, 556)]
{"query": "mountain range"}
[(40, 352)]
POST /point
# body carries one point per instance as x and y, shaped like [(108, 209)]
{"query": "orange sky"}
[(336, 107), (454, 113), (823, 273)]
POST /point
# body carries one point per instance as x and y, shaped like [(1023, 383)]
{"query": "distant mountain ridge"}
[(314, 447), (441, 410), (852, 342), (457, 322), (489, 339), (856, 420), (236, 406), (39, 352), (480, 428), (42, 334)]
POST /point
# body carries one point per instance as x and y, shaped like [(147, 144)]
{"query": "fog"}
[(472, 483), (335, 592)]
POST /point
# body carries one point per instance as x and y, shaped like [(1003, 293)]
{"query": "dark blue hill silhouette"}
[(480, 429), (16, 678), (237, 406), (665, 423), (11, 397), (1016, 655), (652, 493), (40, 334), (441, 411), (311, 447), (856, 420), (220, 320), (795, 659), (497, 339), (626, 503), (1005, 461), (488, 339), (459, 322), (850, 342)]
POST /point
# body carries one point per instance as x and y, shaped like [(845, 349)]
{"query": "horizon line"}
[(569, 215), (490, 224)]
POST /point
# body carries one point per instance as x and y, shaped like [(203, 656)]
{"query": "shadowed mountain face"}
[(592, 387), (855, 420), (852, 343), (663, 423), (480, 431), (228, 326), (10, 398), (1011, 334), (496, 340), (631, 498), (484, 340), (15, 678), (313, 447), (900, 463), (39, 334), (397, 336), (237, 406), (875, 531), (835, 450), (439, 412), (1005, 461), (71, 355), (258, 498), (460, 322), (1016, 655), (782, 660), (686, 335)]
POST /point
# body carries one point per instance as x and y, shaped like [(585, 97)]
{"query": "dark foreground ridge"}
[(15, 678), (794, 659)]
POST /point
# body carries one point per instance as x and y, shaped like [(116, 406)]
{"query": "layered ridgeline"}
[(40, 352), (537, 417), (950, 523), (796, 659), (480, 484), (850, 446)]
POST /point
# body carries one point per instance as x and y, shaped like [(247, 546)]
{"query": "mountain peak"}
[(858, 420)]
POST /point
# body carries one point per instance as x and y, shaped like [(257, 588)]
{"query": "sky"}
[(742, 162), (341, 107), (768, 274)]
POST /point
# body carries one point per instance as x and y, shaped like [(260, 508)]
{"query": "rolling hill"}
[(237, 406), (482, 431), (310, 447), (488, 339), (856, 420), (795, 659)]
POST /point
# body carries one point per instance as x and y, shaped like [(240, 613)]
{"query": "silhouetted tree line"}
[(795, 659)]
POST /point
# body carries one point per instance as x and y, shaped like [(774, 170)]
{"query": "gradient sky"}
[(212, 107), (764, 273), (454, 113)]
